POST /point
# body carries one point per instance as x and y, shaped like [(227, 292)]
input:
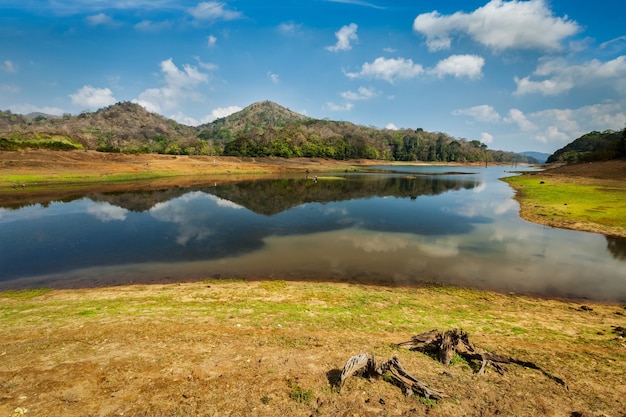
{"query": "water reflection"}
[(392, 228)]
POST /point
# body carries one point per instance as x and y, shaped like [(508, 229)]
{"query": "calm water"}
[(402, 225)]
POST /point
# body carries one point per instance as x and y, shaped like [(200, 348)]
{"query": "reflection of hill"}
[(269, 197), (140, 200), (272, 197)]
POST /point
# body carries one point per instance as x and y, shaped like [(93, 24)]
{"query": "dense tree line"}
[(593, 146), (341, 140)]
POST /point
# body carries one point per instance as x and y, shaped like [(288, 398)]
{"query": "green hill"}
[(261, 129), (593, 146)]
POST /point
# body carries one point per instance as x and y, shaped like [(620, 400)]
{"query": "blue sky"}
[(517, 75)]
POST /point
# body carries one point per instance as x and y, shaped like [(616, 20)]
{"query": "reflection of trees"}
[(617, 247), (271, 197)]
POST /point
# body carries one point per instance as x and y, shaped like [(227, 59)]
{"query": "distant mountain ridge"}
[(261, 129), (539, 156)]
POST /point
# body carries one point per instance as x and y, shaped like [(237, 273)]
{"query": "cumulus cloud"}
[(345, 35), (180, 85), (486, 137), (213, 11), (220, 112), (92, 97), (460, 66), (519, 118), (565, 125), (391, 126), (388, 69), (499, 25), (8, 66), (482, 113), (211, 41), (559, 77), (362, 93)]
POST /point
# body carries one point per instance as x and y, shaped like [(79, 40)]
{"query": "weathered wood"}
[(457, 341), (364, 364), (409, 384), (361, 363)]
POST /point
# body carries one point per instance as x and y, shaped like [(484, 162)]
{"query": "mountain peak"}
[(259, 114)]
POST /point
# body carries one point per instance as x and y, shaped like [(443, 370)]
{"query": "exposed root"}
[(444, 346)]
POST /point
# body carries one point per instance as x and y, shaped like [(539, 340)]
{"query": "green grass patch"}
[(22, 295), (76, 181), (575, 202)]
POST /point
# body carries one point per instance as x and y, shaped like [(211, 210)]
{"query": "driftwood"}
[(444, 346), (364, 364)]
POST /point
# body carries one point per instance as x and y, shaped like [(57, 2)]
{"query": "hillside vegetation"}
[(593, 146), (261, 129)]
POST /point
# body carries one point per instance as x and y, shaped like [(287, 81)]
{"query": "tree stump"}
[(364, 364), (457, 341)]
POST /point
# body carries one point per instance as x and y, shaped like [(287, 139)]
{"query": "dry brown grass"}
[(274, 348)]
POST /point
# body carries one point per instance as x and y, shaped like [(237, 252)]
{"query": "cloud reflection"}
[(106, 212), (194, 214)]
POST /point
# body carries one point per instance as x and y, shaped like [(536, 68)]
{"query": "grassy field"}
[(590, 204), (267, 348)]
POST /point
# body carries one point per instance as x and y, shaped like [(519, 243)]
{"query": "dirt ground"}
[(182, 350)]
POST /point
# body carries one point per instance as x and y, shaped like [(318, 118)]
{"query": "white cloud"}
[(565, 125), (518, 117), (362, 93), (218, 113), (213, 11), (8, 66), (344, 36), (211, 41), (336, 107), (561, 77), (388, 69), (180, 85), (499, 25), (92, 97), (553, 134), (486, 137), (391, 126), (482, 113), (150, 26), (460, 66)]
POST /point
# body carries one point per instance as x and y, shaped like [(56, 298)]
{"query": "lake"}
[(399, 225)]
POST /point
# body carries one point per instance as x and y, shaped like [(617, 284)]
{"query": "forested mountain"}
[(261, 129), (593, 146)]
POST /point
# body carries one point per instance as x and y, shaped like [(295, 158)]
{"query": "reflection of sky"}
[(106, 212), (459, 237), (194, 214)]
